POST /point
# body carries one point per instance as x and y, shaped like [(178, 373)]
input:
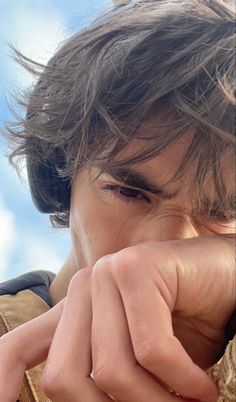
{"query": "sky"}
[(36, 28)]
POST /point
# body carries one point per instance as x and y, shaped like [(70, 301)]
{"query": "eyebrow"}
[(139, 180), (228, 204)]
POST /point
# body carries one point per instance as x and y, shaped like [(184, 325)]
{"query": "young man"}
[(129, 140)]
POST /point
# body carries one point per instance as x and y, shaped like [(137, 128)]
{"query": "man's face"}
[(108, 214)]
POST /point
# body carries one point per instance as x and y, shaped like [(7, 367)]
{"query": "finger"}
[(155, 346), (67, 371), (23, 348), (115, 368)]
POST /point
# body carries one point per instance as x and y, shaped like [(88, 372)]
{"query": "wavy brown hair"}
[(169, 57)]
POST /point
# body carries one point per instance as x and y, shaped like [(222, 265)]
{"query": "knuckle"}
[(103, 264), (101, 269), (123, 264), (148, 353), (126, 264), (102, 377), (53, 383), (108, 380), (83, 275), (48, 386)]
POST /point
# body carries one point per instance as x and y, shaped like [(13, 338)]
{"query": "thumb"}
[(25, 347)]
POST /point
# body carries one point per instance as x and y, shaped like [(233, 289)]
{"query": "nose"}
[(169, 225)]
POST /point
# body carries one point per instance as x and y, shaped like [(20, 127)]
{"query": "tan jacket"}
[(26, 305)]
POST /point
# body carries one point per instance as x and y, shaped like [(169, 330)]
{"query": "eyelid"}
[(109, 178), (118, 188)]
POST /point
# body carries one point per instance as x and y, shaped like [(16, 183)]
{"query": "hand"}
[(139, 292), (68, 366), (130, 281), (72, 384)]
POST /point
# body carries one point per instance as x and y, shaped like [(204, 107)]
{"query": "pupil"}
[(129, 192)]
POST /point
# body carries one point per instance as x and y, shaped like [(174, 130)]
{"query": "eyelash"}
[(119, 192)]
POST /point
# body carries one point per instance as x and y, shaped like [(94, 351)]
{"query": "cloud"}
[(34, 29), (7, 237), (39, 254), (11, 182), (22, 251), (27, 242)]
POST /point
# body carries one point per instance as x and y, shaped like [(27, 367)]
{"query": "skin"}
[(145, 268), (133, 221)]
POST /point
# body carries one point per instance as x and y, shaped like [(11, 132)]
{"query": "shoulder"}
[(37, 281), (23, 298)]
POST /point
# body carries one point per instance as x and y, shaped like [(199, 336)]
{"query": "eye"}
[(126, 193)]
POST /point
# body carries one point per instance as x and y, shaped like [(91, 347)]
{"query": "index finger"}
[(23, 348), (67, 371)]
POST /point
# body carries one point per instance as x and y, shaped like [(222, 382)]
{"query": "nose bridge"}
[(168, 225)]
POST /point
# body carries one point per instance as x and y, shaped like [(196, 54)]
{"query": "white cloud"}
[(23, 251), (8, 174), (35, 30), (7, 237), (40, 255), (29, 244), (26, 243)]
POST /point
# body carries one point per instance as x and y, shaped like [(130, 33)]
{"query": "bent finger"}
[(155, 346), (116, 371), (67, 371)]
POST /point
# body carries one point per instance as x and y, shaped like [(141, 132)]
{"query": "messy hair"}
[(174, 58)]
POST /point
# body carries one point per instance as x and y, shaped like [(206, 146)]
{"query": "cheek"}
[(96, 229)]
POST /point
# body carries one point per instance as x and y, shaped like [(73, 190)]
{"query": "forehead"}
[(166, 163)]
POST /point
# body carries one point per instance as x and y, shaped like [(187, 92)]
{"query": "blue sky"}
[(36, 27)]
